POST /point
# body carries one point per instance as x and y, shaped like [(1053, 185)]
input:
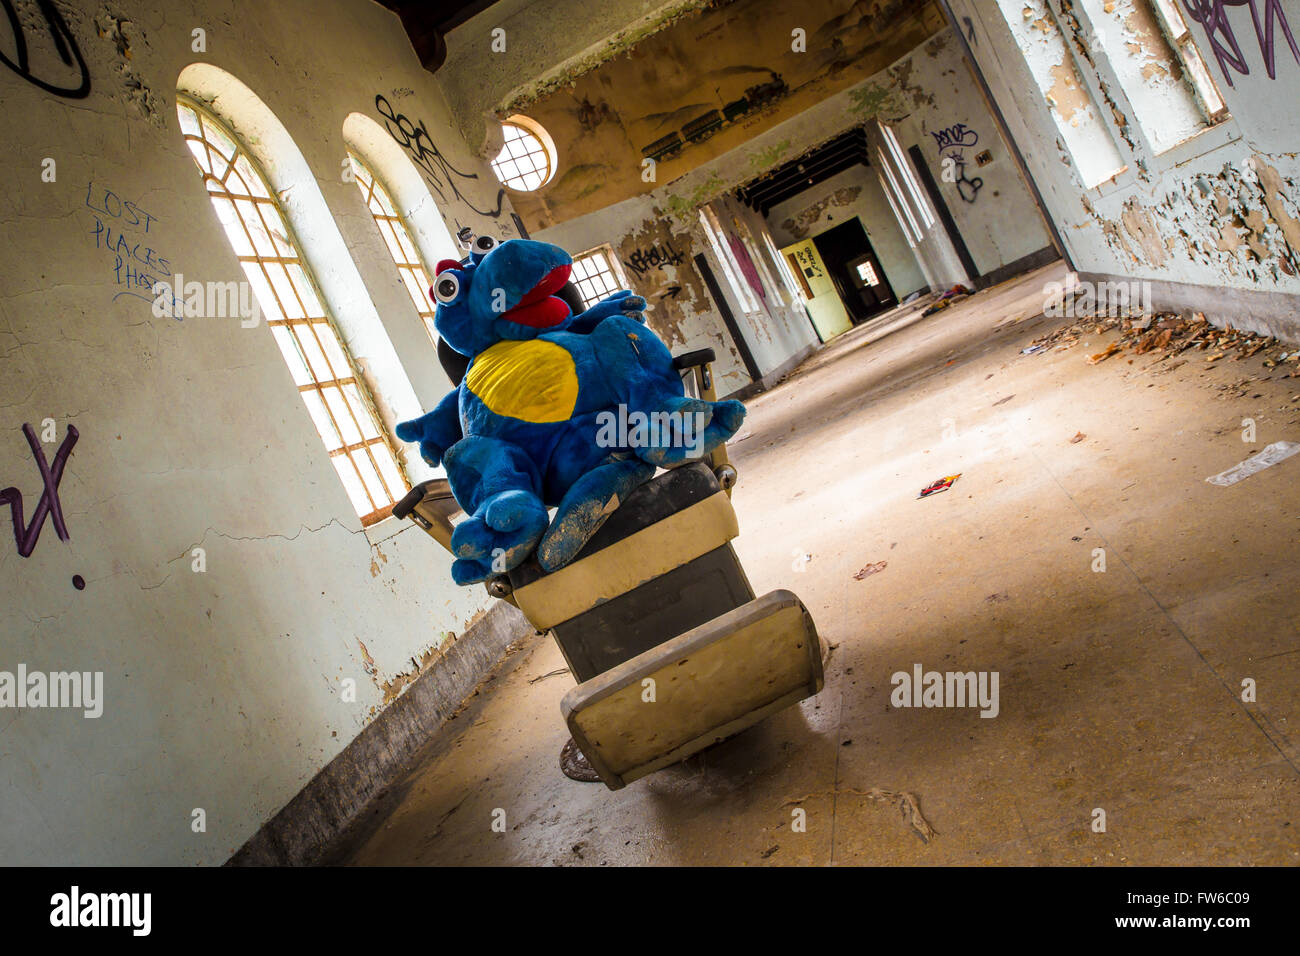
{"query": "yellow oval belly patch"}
[(534, 381)]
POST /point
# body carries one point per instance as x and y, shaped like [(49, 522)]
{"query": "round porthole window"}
[(527, 160)]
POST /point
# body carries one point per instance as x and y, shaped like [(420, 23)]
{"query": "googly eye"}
[(446, 288), (484, 244)]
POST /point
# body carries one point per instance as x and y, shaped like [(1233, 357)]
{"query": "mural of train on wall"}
[(705, 125)]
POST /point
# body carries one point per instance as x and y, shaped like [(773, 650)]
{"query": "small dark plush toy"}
[(555, 410)]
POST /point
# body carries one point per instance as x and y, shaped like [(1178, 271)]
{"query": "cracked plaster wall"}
[(223, 689)]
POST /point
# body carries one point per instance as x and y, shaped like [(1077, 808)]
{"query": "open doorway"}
[(852, 265)]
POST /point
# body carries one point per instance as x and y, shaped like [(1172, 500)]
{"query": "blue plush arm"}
[(436, 431), (622, 302)]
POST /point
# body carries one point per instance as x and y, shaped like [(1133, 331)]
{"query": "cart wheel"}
[(574, 764)]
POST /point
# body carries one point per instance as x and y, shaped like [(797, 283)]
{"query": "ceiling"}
[(818, 165), (427, 24)]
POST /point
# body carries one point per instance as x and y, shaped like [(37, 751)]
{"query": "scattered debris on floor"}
[(1113, 349), (1078, 437), (942, 484), (1271, 455), (870, 569), (542, 677), (1167, 334), (948, 298), (767, 854), (908, 805), (574, 764), (1003, 401)]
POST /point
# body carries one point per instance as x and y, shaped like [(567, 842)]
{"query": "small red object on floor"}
[(943, 484)]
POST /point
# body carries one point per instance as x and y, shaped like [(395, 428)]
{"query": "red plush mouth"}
[(539, 309)]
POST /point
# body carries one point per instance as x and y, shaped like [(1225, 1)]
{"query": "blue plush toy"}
[(554, 410)]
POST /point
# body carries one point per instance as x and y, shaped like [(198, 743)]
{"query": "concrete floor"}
[(1119, 690)]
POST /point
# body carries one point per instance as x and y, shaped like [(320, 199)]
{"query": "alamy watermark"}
[(946, 689), (127, 910), (55, 689), (624, 429), (1083, 299), (179, 299)]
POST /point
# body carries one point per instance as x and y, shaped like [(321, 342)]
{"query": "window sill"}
[(385, 529), (1196, 146), (1199, 144), (1122, 179)]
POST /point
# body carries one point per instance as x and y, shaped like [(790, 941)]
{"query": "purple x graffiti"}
[(1213, 16), (49, 503)]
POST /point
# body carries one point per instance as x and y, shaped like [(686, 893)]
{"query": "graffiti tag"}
[(957, 136), (954, 171), (1213, 16), (64, 42), (952, 141), (26, 535), (808, 263), (122, 230), (655, 257), (439, 173)]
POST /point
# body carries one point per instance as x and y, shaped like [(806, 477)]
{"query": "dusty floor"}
[(1119, 690)]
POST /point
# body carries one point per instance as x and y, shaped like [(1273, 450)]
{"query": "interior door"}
[(854, 269), (829, 317)]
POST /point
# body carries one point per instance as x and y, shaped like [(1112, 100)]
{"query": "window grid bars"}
[(415, 278), (390, 482), (594, 275), (517, 166)]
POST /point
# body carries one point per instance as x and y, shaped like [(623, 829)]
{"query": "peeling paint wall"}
[(224, 689), (1078, 120), (1240, 219), (937, 107), (1217, 209), (1145, 67), (803, 218)]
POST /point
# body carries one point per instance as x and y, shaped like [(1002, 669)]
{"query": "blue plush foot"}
[(727, 418), (697, 427), (586, 506), (498, 536)]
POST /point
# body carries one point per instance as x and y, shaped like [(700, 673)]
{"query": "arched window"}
[(405, 255), (327, 379), (527, 160)]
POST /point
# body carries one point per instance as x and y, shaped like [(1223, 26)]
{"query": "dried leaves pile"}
[(1167, 335)]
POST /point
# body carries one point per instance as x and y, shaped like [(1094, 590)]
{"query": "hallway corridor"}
[(1120, 690)]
